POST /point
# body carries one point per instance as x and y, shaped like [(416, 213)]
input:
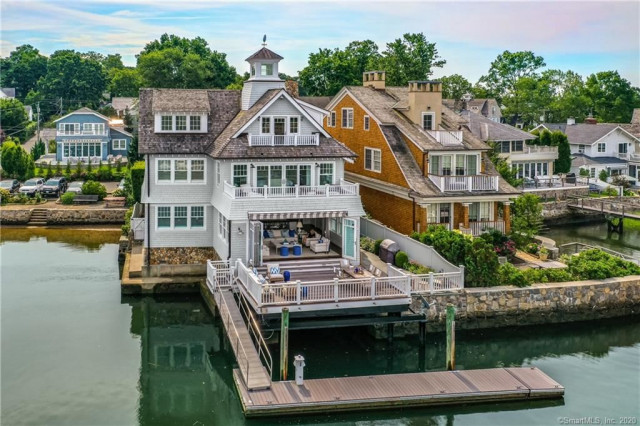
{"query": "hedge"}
[(137, 177)]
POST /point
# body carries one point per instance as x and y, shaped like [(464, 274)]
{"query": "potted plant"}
[(543, 253)]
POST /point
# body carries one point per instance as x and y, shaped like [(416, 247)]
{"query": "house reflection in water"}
[(185, 372)]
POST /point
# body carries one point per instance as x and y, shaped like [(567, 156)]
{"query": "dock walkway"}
[(251, 368), (397, 390)]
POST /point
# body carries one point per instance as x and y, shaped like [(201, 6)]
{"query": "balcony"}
[(470, 183), (284, 140), (634, 158), (446, 138), (532, 153), (623, 155), (477, 228), (343, 189)]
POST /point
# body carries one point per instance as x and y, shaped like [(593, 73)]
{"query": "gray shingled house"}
[(248, 175)]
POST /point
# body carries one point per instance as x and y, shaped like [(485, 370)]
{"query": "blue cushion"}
[(284, 232), (274, 270), (265, 234), (255, 271), (320, 240), (292, 233), (270, 234)]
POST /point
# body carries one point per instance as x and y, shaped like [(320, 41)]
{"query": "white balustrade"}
[(446, 138), (284, 140), (465, 183), (343, 189)]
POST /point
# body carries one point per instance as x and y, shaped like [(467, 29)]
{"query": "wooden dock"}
[(397, 390)]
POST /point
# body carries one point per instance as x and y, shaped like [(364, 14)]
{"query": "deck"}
[(397, 390), (608, 207)]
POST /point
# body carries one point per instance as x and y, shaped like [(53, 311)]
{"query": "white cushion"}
[(274, 270)]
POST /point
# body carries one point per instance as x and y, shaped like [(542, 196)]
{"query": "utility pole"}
[(46, 145)]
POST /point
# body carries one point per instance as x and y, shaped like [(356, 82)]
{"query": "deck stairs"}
[(39, 217)]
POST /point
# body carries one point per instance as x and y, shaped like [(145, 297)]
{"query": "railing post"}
[(373, 288), (431, 282), (335, 289), (469, 183), (298, 292), (461, 276)]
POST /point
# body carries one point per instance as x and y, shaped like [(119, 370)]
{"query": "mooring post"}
[(390, 332), (451, 337), (284, 343)]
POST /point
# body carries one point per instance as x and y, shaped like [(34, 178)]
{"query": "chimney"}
[(571, 121), (291, 86), (590, 120), (425, 97), (374, 79)]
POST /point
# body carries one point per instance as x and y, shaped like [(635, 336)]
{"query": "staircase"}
[(38, 217)]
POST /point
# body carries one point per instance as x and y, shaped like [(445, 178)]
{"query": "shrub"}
[(367, 244), (119, 193), (547, 275), (603, 175), (401, 259), (127, 222), (416, 268), (376, 247), (584, 172), (137, 177), (510, 275), (532, 248), (5, 195), (91, 187), (527, 219), (67, 198), (502, 245), (611, 192), (481, 264), (620, 180), (596, 264), (67, 170)]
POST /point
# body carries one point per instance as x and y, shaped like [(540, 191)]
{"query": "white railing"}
[(477, 228), (327, 291), (344, 188), (446, 138), (465, 183), (431, 282), (623, 155), (284, 140)]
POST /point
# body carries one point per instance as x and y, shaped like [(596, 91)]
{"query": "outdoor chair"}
[(273, 273), (320, 247)]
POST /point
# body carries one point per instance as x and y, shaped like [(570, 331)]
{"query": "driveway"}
[(45, 134)]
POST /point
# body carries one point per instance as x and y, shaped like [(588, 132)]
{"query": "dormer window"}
[(194, 122), (181, 123), (167, 123), (266, 69), (428, 120), (253, 70), (266, 125)]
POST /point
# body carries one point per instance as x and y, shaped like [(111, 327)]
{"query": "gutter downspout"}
[(229, 240), (148, 219), (413, 209)]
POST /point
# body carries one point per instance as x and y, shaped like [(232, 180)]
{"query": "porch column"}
[(465, 214), (506, 215)]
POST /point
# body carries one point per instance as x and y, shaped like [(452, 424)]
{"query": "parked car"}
[(11, 185), (75, 186), (54, 186), (32, 186)]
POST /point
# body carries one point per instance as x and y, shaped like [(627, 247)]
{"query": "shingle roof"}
[(584, 133), (264, 53), (489, 130), (181, 100), (222, 104), (120, 104), (9, 92), (318, 101), (580, 160)]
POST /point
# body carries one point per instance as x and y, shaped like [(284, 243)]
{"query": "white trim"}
[(433, 120), (279, 95), (224, 236), (307, 104), (342, 93), (113, 145), (172, 226), (157, 122), (119, 130), (342, 118), (172, 171), (366, 123), (373, 151), (218, 173)]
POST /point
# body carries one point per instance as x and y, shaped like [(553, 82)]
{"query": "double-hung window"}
[(332, 119), (293, 124), (265, 125), (239, 174), (180, 217), (428, 120), (119, 144), (581, 149), (517, 146), (347, 118), (164, 170), (197, 170), (164, 217), (366, 122), (197, 217), (87, 129), (218, 173), (194, 122), (180, 173), (372, 159), (326, 174), (166, 123), (223, 226), (602, 147), (181, 123)]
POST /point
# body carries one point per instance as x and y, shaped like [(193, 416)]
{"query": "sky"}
[(584, 36)]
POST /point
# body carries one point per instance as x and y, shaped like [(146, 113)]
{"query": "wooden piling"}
[(284, 343), (451, 337)]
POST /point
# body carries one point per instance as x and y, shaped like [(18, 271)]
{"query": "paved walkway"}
[(45, 134), (535, 262)]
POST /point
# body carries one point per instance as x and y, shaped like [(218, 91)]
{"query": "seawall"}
[(65, 216)]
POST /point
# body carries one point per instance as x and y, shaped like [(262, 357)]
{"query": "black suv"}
[(11, 185), (55, 186)]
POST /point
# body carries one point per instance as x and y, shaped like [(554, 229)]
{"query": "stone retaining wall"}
[(14, 217), (182, 255), (560, 193), (558, 213), (538, 304), (65, 216)]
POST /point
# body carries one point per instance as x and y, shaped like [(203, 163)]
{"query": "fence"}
[(421, 253), (431, 282)]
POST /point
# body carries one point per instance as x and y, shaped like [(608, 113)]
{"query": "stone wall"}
[(182, 255), (538, 304), (560, 193), (559, 213), (86, 216), (14, 217)]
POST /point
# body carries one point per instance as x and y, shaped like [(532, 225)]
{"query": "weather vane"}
[(264, 40)]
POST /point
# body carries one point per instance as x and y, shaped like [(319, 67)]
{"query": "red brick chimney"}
[(590, 120), (291, 86)]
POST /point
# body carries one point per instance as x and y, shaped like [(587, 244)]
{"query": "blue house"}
[(87, 135)]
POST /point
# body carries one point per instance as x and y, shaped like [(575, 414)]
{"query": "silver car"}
[(75, 187), (32, 186)]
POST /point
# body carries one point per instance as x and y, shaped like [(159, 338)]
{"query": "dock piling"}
[(284, 343), (451, 337)]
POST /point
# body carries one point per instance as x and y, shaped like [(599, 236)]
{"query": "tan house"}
[(418, 163)]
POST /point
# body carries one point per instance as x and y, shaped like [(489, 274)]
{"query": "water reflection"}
[(596, 234), (90, 239)]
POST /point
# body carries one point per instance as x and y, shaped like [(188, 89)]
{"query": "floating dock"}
[(397, 390)]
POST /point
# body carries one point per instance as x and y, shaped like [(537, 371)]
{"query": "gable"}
[(119, 133), (82, 118)]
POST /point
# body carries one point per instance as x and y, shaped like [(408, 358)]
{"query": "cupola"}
[(263, 75)]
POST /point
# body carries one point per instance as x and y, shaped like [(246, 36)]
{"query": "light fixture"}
[(240, 231), (253, 166), (317, 165)]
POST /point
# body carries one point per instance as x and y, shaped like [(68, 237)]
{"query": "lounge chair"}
[(273, 273)]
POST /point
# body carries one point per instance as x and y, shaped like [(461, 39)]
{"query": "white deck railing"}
[(284, 140), (344, 188), (432, 282), (465, 183), (634, 157), (477, 228), (446, 138)]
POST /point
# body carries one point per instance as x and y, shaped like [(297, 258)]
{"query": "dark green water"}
[(74, 352)]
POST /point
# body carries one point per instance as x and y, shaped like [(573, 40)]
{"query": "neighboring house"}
[(229, 171), (511, 144), (122, 105), (488, 107), (418, 163), (86, 135), (634, 158), (7, 92), (598, 146)]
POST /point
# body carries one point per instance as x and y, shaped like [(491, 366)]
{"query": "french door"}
[(349, 238), (255, 243)]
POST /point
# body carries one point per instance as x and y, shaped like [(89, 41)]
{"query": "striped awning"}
[(297, 215)]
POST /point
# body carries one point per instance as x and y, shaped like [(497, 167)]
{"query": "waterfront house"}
[(85, 135), (634, 158), (486, 107), (600, 146), (249, 175), (418, 162)]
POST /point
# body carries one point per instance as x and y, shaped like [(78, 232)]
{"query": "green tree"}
[(527, 219), (132, 154), (408, 58), (15, 161), (563, 163), (611, 97), (75, 77), (197, 67), (14, 117), (22, 69), (505, 72), (502, 167), (570, 99), (455, 87), (37, 150)]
